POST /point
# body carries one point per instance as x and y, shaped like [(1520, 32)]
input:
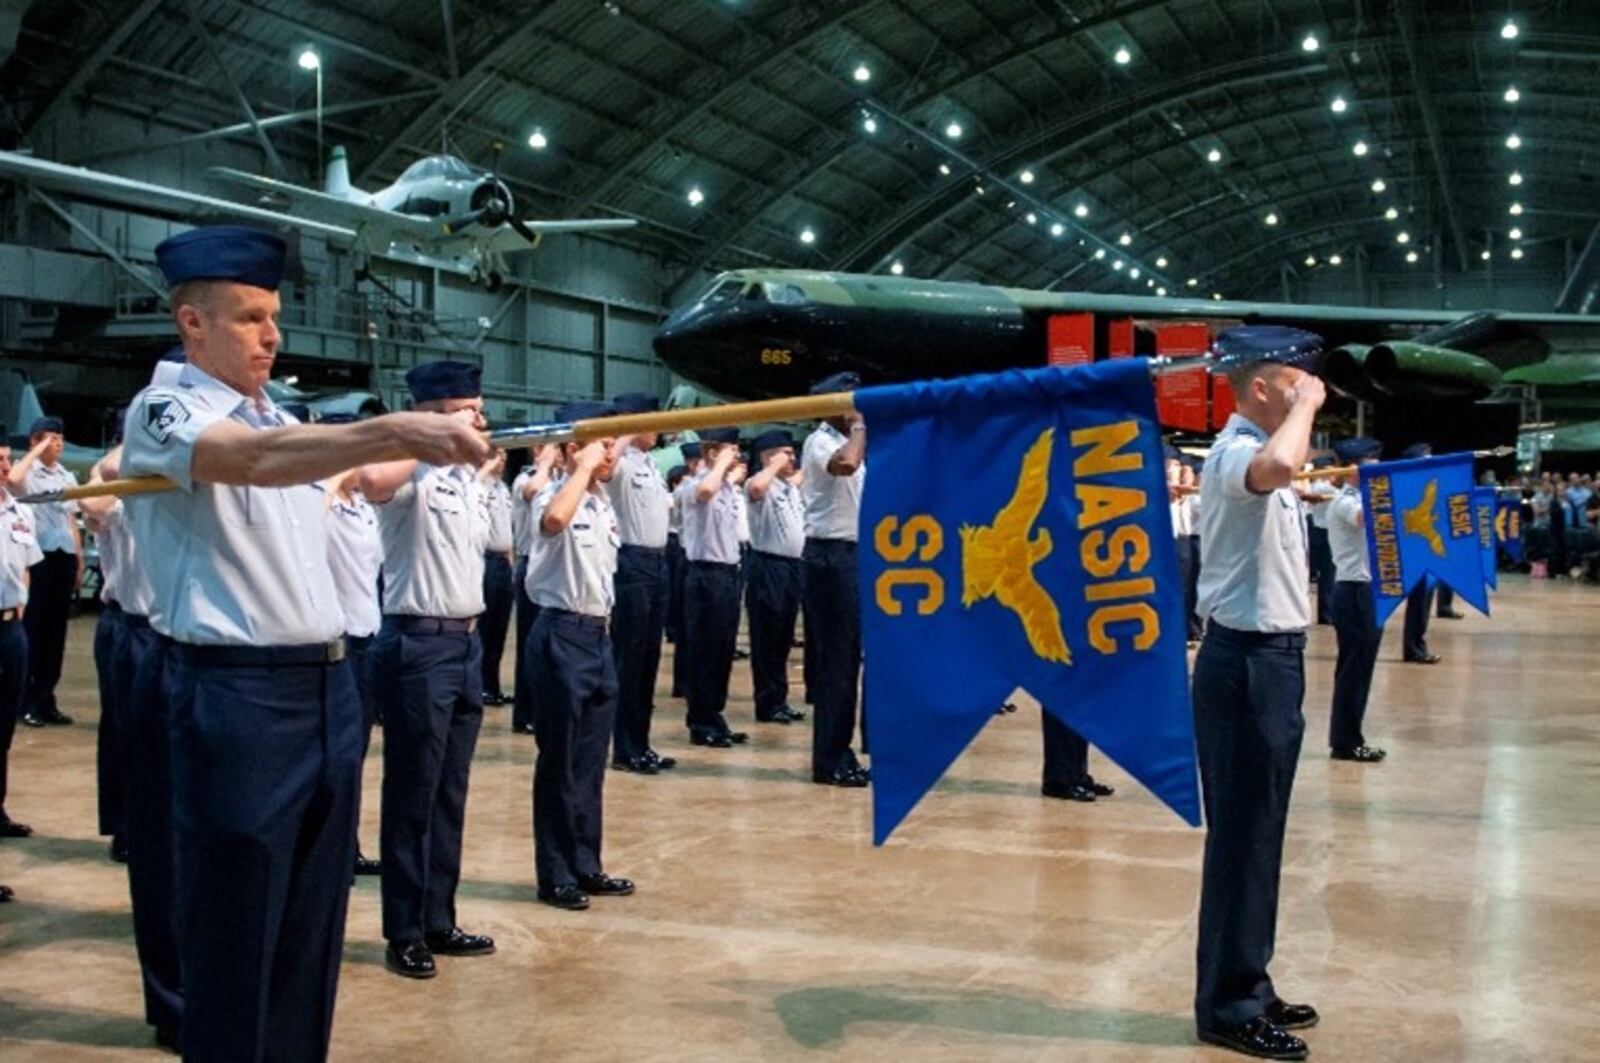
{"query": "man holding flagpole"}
[(1249, 680)]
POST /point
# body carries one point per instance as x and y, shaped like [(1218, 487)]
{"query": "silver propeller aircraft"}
[(441, 210)]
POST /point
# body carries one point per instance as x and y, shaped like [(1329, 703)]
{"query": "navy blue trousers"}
[(367, 696), (772, 602), (430, 692), (1189, 569), (1248, 726), (522, 710), (574, 668), (139, 664), (13, 677), (833, 638), (677, 562), (50, 589), (266, 759), (711, 631), (108, 757), (1355, 623), (499, 593), (637, 620), (1321, 558), (1444, 601), (1066, 754), (1419, 607)]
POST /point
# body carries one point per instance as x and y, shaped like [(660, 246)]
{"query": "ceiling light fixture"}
[(1515, 178), (1081, 210), (1311, 260), (1379, 187), (1402, 237), (944, 168), (1509, 31), (1335, 260), (1099, 254), (309, 59), (1359, 148), (1486, 255), (870, 124), (1056, 229), (1513, 142), (1516, 210), (1391, 214), (1515, 234), (1123, 56), (1516, 252), (1118, 264), (1026, 177), (1213, 156), (695, 196), (953, 130), (1311, 43), (1161, 263), (1512, 95), (1338, 106), (863, 73), (537, 140), (1411, 256), (1193, 282), (1271, 218), (1125, 239), (898, 268), (808, 236)]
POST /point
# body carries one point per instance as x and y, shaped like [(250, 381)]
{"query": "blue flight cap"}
[(1417, 450), (1323, 461), (719, 435), (845, 381), (223, 253), (635, 402), (47, 424), (432, 381), (771, 440), (339, 417), (1357, 448), (677, 472), (1252, 344), (582, 410), (690, 450)]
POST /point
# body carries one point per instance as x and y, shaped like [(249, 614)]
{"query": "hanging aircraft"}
[(759, 333), (440, 206), (441, 210)]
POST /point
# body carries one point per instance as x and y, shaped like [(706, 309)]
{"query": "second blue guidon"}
[(1421, 524), (1015, 533), (1483, 504)]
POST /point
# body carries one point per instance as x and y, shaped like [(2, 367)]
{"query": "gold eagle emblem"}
[(1422, 520), (997, 561)]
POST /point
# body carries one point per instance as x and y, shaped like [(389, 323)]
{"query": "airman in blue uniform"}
[(1249, 680), (1354, 615), (773, 584), (264, 725)]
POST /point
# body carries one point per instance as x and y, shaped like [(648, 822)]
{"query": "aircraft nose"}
[(679, 334)]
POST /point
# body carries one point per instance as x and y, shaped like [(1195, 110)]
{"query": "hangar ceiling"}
[(1010, 141)]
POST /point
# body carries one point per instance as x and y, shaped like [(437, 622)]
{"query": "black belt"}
[(716, 566), (653, 551), (110, 606), (1284, 640), (8, 615), (832, 544), (430, 625), (315, 653), (770, 556), (567, 616), (135, 620), (487, 554)]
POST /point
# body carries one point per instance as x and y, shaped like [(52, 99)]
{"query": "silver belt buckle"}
[(336, 650)]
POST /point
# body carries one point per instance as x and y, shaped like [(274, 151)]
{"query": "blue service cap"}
[(1417, 450), (635, 402), (1357, 448), (47, 424), (339, 417), (845, 381), (223, 253), (719, 435), (582, 410), (690, 449), (771, 440), (432, 381), (676, 471), (1252, 344)]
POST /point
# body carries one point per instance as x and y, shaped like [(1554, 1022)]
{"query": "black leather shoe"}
[(1365, 754), (1259, 1037), (409, 959), (738, 738), (365, 865), (457, 942), (119, 850), (1292, 1016), (6, 893), (640, 765), (1451, 615), (714, 739), (1075, 791), (1426, 658), (794, 715), (54, 717), (775, 716), (169, 1039), (662, 763), (603, 885), (523, 728), (495, 700), (30, 719), (849, 778), (569, 897), (741, 655), (1100, 789), (10, 828)]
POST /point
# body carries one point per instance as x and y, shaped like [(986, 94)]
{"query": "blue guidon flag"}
[(1422, 524), (1483, 506), (1015, 533), (1508, 526)]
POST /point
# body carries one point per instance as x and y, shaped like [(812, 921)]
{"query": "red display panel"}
[(1119, 338), (1181, 399), (1071, 339), (1183, 339), (1222, 404)]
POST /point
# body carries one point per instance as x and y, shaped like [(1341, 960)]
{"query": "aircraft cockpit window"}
[(421, 169), (722, 293), (785, 294), (753, 294)]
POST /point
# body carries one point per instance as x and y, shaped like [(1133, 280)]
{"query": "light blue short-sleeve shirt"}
[(1254, 574), (231, 566), (1347, 537), (19, 550), (434, 534)]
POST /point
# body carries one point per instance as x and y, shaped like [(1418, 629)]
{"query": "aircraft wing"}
[(125, 191), (506, 239), (374, 223)]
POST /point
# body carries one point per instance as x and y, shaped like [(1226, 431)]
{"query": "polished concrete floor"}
[(1442, 906)]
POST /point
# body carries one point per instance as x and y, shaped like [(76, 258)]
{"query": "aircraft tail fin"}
[(1581, 295), (337, 181)]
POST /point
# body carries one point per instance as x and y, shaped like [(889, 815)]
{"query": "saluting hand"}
[(1310, 390), (593, 455)]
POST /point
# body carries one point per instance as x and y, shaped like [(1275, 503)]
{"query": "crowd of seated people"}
[(1560, 514)]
